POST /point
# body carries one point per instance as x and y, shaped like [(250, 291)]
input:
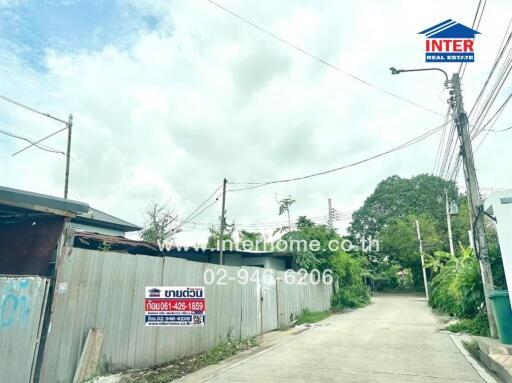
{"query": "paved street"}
[(395, 339)]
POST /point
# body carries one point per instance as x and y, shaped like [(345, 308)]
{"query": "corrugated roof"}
[(40, 202), (98, 218)]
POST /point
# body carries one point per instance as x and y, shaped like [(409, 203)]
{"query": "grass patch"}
[(475, 326), (187, 365), (307, 316)]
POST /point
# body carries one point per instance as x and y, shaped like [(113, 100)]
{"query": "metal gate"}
[(22, 306)]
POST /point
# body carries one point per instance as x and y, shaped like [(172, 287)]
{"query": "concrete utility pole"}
[(222, 221), (449, 223), (68, 154), (329, 203), (475, 203), (422, 259)]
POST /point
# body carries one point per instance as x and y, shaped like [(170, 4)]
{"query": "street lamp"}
[(398, 71)]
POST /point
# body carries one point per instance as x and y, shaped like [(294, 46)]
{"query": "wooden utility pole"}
[(449, 223), (222, 221), (422, 259), (68, 155), (475, 203), (329, 203)]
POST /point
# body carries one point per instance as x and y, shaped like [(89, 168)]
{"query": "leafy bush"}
[(352, 291), (478, 325), (457, 288)]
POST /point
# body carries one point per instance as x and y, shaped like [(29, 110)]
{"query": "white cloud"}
[(206, 97)]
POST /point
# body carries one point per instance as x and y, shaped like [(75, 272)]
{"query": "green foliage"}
[(457, 288), (479, 325), (306, 232), (385, 276), (389, 214), (399, 243), (104, 246), (352, 291), (346, 268), (284, 205), (396, 198), (214, 237), (307, 316)]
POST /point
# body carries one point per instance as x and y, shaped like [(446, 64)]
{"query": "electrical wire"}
[(493, 119), (462, 67), (35, 143), (413, 141), (437, 161), (481, 111), (191, 216), (42, 147), (31, 109), (319, 59), (499, 130)]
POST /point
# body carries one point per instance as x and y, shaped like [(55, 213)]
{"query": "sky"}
[(171, 97)]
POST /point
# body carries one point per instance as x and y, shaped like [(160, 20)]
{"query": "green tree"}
[(214, 237), (312, 257), (284, 206), (399, 243), (395, 198)]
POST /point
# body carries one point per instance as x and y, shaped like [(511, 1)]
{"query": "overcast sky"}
[(170, 97)]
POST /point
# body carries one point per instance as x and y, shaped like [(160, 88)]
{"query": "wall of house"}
[(98, 289), (27, 246)]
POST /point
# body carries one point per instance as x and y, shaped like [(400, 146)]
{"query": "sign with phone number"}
[(174, 306)]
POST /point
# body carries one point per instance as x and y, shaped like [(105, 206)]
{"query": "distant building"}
[(96, 221)]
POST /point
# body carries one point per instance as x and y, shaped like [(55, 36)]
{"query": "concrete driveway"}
[(395, 339)]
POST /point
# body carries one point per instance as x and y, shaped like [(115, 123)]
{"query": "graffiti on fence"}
[(14, 303)]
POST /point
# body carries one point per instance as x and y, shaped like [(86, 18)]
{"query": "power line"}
[(319, 217), (402, 146), (35, 143), (42, 147), (499, 130), (191, 216), (319, 59), (462, 67), (437, 161), (482, 111), (31, 109)]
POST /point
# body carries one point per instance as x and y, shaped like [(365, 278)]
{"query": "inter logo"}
[(449, 41)]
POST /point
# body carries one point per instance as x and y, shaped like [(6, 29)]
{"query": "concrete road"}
[(395, 339)]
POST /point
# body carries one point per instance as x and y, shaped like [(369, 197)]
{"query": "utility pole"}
[(475, 203), (449, 223), (422, 259), (222, 221), (68, 154), (329, 203)]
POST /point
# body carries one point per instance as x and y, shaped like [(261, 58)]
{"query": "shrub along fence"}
[(97, 289)]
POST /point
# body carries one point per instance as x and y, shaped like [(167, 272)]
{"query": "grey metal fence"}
[(22, 304), (105, 290)]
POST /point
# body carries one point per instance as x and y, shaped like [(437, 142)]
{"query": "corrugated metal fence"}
[(22, 303), (106, 290)]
